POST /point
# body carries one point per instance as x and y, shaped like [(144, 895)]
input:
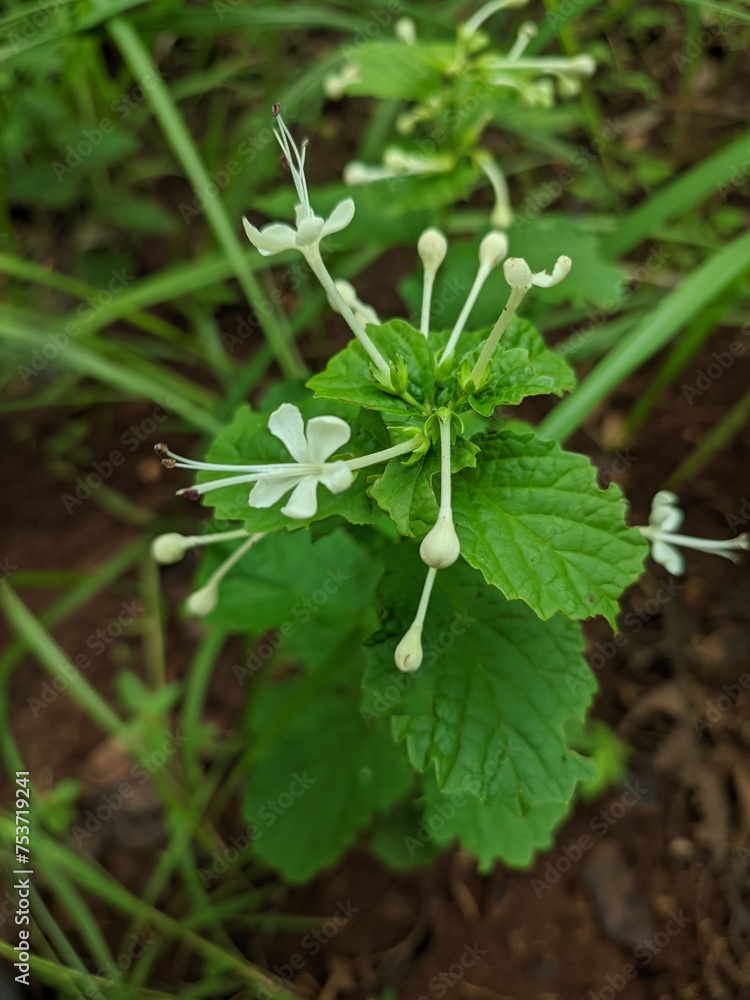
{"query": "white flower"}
[(311, 450), (664, 520), (310, 228)]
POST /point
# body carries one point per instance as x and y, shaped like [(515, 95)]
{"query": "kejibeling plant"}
[(423, 562), (456, 90)]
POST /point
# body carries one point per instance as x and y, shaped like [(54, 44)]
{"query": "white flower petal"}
[(339, 218), (268, 490), (310, 231), (272, 238), (325, 435), (287, 425), (562, 267), (303, 503), (337, 477), (665, 514), (668, 557)]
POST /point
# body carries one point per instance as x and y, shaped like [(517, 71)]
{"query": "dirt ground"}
[(646, 894)]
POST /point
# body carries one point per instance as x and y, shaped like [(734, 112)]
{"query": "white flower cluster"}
[(314, 448)]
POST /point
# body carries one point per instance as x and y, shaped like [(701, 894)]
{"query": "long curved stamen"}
[(294, 158), (386, 454), (722, 547)]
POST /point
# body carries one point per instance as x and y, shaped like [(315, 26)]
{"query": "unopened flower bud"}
[(440, 547), (493, 249), (405, 30), (408, 653), (518, 273), (432, 248), (202, 602), (169, 548)]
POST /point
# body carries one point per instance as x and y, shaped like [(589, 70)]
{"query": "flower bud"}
[(493, 249), (202, 602), (169, 548), (408, 653), (440, 546), (405, 30), (432, 248), (518, 273)]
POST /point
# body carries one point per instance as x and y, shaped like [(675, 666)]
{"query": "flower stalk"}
[(408, 655), (203, 601), (440, 547), (519, 276), (492, 250)]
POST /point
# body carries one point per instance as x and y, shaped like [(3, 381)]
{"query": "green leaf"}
[(348, 378), (540, 529), (408, 492), (521, 366), (448, 183), (394, 71), (289, 581), (401, 840), (495, 688), (491, 831), (247, 440), (321, 783)]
